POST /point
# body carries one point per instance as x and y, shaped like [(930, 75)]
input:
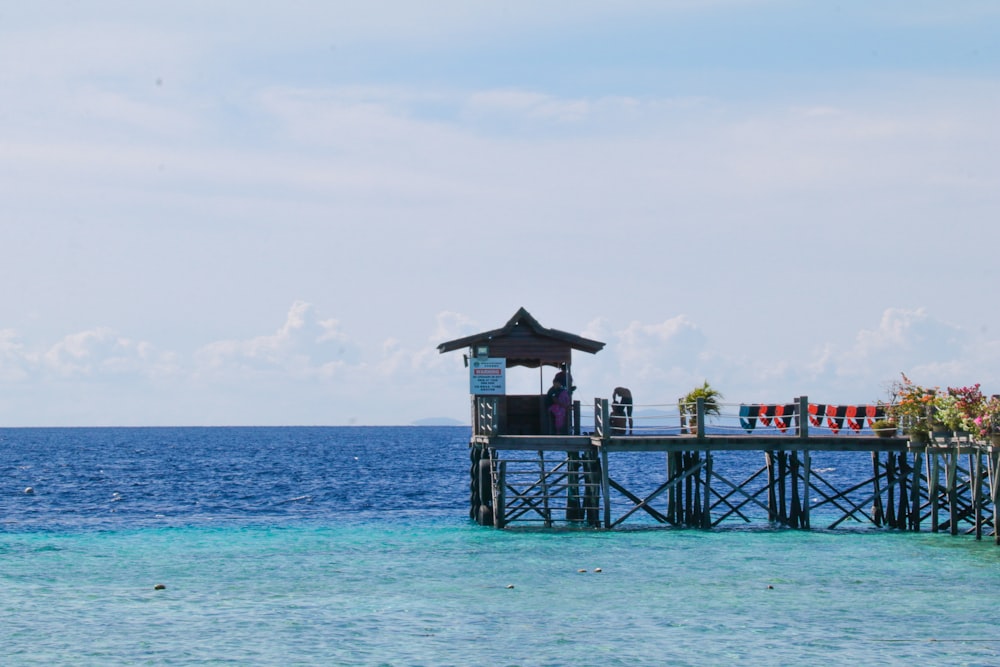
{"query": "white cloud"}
[(452, 326), (303, 347), (13, 363), (310, 370), (651, 351), (98, 353)]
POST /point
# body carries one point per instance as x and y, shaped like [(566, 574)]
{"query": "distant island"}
[(438, 421)]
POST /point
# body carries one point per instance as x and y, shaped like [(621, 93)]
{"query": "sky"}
[(250, 213)]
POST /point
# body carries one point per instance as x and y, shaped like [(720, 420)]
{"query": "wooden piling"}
[(918, 461), (782, 486), (932, 487), (605, 487), (952, 480), (706, 516), (806, 481), (772, 499), (878, 513), (994, 459), (795, 519), (976, 474), (499, 495)]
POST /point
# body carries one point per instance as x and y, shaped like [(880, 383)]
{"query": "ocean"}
[(353, 546)]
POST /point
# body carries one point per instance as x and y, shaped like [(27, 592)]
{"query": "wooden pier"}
[(949, 484), (794, 471)]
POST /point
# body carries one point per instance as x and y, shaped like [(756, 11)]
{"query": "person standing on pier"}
[(557, 402), (621, 411)]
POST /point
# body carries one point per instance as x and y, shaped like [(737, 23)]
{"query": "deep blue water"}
[(87, 478), (352, 546)]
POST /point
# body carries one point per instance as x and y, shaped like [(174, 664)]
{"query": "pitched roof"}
[(516, 326)]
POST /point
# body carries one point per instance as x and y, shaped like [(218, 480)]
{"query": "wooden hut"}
[(522, 341)]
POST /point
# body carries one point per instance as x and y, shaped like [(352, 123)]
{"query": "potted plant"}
[(910, 407), (988, 424), (884, 428), (688, 405), (963, 409)]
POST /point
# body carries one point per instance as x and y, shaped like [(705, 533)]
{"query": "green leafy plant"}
[(688, 404), (884, 427)]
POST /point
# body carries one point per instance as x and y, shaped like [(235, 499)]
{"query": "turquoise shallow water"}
[(315, 546), (464, 595)]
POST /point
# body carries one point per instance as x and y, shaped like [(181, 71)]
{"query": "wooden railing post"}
[(700, 410), (803, 416)]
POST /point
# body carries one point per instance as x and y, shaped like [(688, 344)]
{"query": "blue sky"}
[(253, 214)]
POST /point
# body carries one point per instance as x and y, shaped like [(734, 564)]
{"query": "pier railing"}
[(798, 418)]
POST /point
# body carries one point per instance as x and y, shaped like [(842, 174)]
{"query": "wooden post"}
[(573, 511), (796, 512), (890, 489), (952, 474), (592, 494), (772, 501), (878, 513), (932, 486), (994, 455), (918, 466), (543, 482), (694, 510), (700, 405), (706, 517), (605, 487), (803, 417), (688, 487), (782, 482), (500, 496), (807, 463), (902, 478), (675, 509), (976, 473)]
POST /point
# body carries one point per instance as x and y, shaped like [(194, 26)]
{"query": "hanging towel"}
[(816, 412), (783, 416), (748, 417), (767, 413), (855, 417)]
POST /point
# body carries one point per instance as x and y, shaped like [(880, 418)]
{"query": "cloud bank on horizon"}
[(241, 215)]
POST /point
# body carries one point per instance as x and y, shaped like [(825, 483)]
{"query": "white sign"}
[(488, 377)]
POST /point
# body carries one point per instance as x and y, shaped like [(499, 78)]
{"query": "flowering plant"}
[(962, 409), (920, 410), (988, 422), (911, 405)]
